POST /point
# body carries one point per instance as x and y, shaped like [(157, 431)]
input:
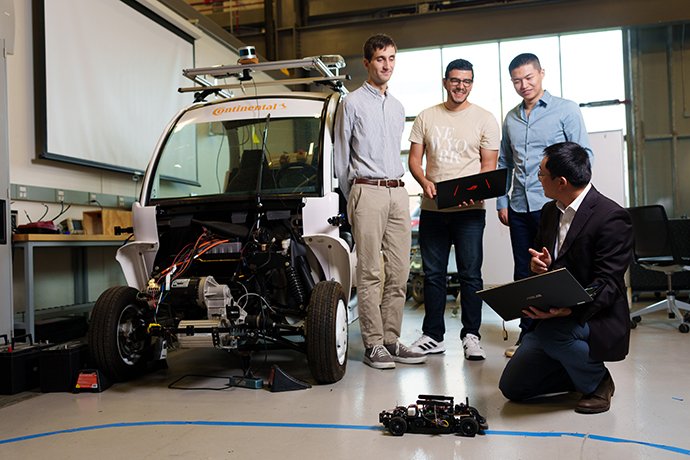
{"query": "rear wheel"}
[(326, 334), (118, 340), (418, 288)]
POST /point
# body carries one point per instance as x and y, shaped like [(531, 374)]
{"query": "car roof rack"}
[(328, 66)]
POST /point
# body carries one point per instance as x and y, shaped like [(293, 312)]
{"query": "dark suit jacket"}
[(597, 251)]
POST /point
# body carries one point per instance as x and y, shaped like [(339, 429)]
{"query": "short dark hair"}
[(377, 42), (569, 160), (459, 64), (524, 59)]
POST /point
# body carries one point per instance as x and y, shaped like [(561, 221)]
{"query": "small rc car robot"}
[(433, 414)]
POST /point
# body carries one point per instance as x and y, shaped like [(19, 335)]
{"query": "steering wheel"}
[(295, 175)]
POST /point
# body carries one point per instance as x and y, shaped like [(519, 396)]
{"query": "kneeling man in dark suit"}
[(591, 236)]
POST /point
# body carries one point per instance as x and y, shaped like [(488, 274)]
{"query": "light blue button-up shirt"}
[(369, 129), (524, 139)]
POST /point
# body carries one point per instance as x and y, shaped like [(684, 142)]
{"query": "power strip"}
[(255, 383)]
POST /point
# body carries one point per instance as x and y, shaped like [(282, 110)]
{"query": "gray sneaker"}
[(378, 358), (401, 354)]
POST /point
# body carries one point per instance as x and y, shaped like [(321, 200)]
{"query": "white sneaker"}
[(427, 345), (473, 351)]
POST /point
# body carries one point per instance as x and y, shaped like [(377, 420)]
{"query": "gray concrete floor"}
[(146, 419)]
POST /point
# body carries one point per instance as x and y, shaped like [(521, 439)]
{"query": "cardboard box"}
[(103, 222)]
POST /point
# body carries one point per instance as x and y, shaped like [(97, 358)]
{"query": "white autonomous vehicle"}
[(237, 239)]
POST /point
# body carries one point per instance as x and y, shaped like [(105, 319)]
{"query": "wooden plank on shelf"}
[(21, 237)]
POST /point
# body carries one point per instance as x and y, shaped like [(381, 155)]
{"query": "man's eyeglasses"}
[(458, 81)]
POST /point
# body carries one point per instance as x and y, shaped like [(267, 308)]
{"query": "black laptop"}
[(556, 288), (451, 193)]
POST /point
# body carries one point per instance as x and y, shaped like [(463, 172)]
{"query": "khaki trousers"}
[(380, 219)]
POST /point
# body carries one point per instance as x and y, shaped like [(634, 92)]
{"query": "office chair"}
[(655, 250)]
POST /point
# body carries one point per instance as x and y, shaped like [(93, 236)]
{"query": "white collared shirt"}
[(567, 216)]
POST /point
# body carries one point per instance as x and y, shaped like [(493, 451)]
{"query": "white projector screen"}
[(107, 73)]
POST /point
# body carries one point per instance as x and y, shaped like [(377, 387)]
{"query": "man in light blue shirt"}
[(538, 121)]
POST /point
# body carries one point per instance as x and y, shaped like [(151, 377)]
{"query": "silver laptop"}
[(556, 288)]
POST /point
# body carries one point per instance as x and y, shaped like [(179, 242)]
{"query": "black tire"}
[(119, 344), (418, 288), (468, 426), (397, 426), (326, 332), (684, 328)]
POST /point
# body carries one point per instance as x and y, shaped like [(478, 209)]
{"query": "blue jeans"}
[(437, 231), (553, 358), (523, 232)]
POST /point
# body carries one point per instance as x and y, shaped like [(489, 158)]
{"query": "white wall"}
[(24, 168), (52, 272), (498, 253), (610, 169), (6, 48)]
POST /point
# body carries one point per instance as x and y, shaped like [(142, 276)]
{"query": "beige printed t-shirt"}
[(451, 143)]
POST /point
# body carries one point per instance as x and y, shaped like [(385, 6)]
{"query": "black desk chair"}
[(655, 250)]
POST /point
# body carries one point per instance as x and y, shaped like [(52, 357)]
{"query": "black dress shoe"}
[(600, 400)]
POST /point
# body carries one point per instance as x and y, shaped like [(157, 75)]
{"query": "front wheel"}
[(468, 426), (119, 343), (326, 333), (397, 426)]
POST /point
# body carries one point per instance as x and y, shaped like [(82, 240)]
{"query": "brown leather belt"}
[(389, 183)]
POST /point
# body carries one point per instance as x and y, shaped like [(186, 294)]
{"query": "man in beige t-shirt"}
[(458, 139)]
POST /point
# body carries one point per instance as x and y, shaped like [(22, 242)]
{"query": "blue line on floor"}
[(540, 434), (596, 437)]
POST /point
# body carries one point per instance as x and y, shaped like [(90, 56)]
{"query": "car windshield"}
[(236, 148)]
